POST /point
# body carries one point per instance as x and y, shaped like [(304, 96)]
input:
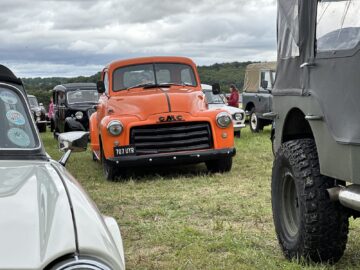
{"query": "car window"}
[(338, 25), (16, 126), (106, 83), (156, 73), (266, 78), (33, 102), (82, 96)]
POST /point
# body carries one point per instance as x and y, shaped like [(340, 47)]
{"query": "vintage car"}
[(47, 220), (219, 101), (152, 111), (38, 113), (73, 105), (256, 97)]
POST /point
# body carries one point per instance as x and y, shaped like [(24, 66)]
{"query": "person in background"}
[(234, 96), (51, 114)]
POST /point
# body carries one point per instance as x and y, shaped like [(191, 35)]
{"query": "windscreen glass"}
[(82, 96), (33, 102), (153, 74), (338, 25), (16, 126)]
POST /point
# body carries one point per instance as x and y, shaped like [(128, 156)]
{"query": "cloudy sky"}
[(78, 37)]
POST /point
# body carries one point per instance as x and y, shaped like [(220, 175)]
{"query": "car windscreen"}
[(82, 96), (16, 126), (213, 99), (33, 102), (153, 74)]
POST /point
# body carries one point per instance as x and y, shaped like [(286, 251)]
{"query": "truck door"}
[(334, 78)]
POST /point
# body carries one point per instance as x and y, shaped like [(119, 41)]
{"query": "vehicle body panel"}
[(323, 86)]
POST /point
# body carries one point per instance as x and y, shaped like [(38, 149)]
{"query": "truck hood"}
[(159, 100), (227, 108), (36, 224)]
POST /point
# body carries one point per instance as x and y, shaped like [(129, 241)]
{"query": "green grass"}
[(184, 218)]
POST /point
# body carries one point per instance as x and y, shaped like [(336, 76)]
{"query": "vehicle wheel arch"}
[(296, 126), (249, 106)]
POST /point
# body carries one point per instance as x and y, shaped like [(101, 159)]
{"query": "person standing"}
[(51, 114), (234, 96)]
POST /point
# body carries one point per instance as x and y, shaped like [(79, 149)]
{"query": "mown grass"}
[(184, 218)]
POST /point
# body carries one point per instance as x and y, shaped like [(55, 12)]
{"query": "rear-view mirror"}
[(264, 84), (216, 88), (100, 87)]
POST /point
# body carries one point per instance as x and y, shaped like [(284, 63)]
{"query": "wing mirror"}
[(75, 141), (100, 87), (216, 88)]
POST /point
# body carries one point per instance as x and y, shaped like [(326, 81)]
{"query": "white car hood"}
[(229, 109), (35, 215)]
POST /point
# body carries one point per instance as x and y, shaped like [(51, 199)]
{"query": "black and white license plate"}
[(120, 151)]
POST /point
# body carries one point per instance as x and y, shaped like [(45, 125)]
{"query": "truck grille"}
[(167, 138)]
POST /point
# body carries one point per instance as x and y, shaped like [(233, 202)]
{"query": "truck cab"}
[(152, 111)]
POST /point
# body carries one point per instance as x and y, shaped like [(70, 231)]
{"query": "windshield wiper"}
[(144, 85), (170, 84)]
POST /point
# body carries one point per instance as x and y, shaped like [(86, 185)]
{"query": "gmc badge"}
[(171, 118)]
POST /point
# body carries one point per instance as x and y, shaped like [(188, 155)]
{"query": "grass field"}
[(184, 218)]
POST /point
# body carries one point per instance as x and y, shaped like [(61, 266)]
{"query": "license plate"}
[(128, 150)]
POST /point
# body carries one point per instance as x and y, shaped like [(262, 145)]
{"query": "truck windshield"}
[(16, 128), (82, 96), (153, 74), (33, 102), (338, 25)]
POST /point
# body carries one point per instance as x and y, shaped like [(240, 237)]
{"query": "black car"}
[(73, 105), (38, 113)]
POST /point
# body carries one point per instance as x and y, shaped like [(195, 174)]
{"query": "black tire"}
[(255, 123), (219, 165), (110, 170), (308, 225), (42, 128)]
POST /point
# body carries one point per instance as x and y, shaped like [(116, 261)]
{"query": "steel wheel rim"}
[(290, 206), (253, 121)]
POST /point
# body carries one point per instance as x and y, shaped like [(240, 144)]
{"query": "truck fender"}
[(94, 134)]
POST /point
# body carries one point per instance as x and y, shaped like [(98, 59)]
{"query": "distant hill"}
[(225, 74)]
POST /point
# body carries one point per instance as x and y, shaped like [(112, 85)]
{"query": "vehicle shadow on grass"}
[(146, 174)]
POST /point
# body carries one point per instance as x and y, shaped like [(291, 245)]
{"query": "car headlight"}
[(223, 120), (80, 263), (79, 115), (115, 127), (38, 113), (238, 116)]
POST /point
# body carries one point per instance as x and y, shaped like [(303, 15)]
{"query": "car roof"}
[(73, 86)]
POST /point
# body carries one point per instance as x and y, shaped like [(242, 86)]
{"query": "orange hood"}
[(146, 102)]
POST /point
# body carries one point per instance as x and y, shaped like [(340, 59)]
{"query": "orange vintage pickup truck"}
[(152, 112)]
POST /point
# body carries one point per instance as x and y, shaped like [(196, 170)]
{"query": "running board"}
[(348, 196)]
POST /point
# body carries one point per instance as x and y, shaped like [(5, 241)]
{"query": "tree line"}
[(225, 74)]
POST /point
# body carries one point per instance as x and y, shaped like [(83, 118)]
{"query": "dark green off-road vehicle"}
[(316, 171)]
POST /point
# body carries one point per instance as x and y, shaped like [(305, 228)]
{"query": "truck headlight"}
[(115, 127), (80, 263), (238, 116), (223, 120), (38, 113), (79, 115)]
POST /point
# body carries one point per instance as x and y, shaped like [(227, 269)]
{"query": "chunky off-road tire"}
[(256, 124), (110, 171), (219, 165), (308, 225)]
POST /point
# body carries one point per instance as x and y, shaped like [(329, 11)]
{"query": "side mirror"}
[(264, 84), (216, 88), (100, 87), (75, 141)]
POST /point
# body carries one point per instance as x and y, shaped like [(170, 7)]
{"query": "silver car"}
[(47, 220)]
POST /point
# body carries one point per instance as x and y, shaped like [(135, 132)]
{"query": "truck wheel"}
[(110, 171), (255, 123), (307, 223), (219, 165)]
